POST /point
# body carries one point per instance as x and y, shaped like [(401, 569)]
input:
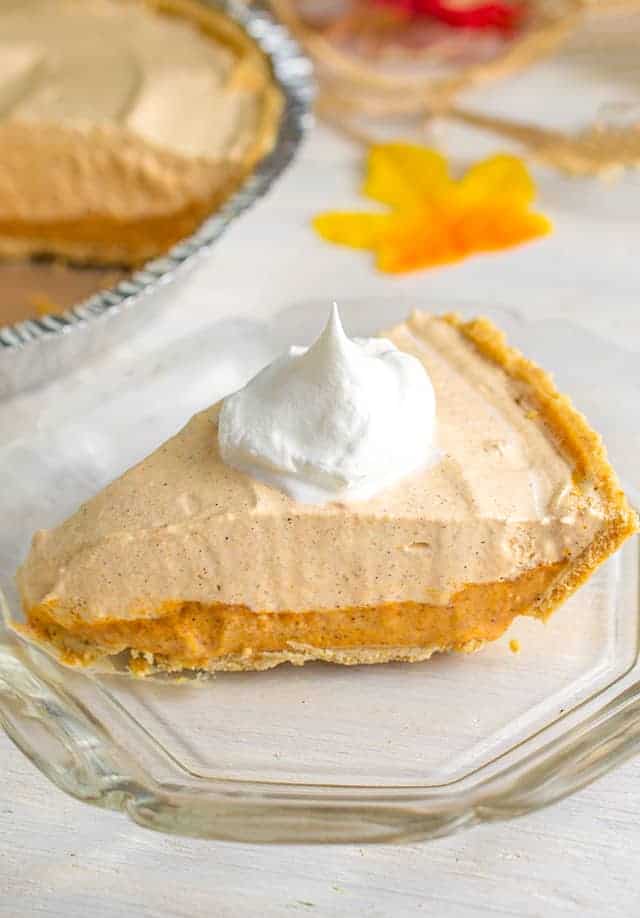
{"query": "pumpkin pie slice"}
[(187, 563)]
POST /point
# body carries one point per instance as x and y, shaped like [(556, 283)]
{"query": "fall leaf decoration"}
[(434, 219), (494, 14)]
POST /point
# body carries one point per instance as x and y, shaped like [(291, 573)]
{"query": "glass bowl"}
[(377, 63), (320, 753)]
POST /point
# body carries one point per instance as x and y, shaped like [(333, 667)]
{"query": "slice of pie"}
[(123, 124), (185, 562)]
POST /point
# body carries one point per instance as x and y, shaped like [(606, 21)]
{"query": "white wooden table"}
[(581, 858)]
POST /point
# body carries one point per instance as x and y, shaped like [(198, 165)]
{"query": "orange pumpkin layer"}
[(197, 636)]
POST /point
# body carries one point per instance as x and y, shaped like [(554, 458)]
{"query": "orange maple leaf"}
[(435, 220)]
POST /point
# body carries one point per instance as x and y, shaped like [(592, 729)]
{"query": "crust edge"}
[(575, 437)]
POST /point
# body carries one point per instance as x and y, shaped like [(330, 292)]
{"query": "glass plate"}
[(321, 753)]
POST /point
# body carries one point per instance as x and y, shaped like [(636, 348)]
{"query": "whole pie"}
[(123, 123), (185, 562)]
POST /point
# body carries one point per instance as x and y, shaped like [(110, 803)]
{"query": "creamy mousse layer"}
[(115, 111), (119, 62), (184, 527)]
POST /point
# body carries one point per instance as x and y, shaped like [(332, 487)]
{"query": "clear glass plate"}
[(321, 753)]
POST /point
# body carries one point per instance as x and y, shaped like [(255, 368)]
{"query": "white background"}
[(579, 858)]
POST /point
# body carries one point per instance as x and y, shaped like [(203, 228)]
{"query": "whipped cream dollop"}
[(341, 420)]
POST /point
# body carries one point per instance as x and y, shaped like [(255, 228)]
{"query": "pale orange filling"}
[(195, 635), (103, 159)]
